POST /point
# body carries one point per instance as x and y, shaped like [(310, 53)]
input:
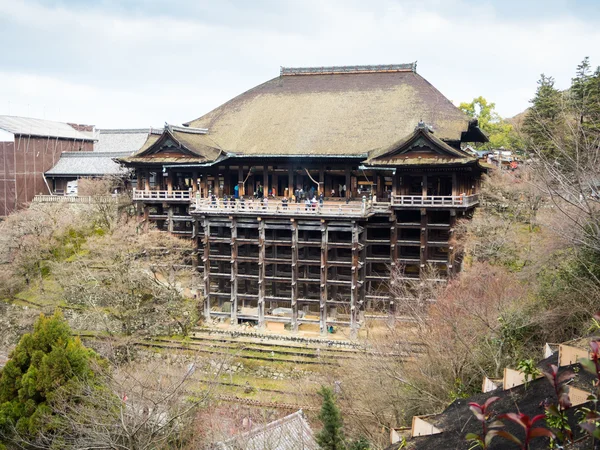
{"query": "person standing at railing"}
[(236, 192), (225, 202), (284, 203), (213, 200), (321, 199)]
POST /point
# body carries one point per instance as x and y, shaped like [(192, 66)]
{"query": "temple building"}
[(305, 192)]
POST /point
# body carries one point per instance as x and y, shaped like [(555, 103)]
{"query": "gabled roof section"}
[(30, 126), (289, 433), (420, 147), (128, 140), (341, 111), (176, 145), (73, 164)]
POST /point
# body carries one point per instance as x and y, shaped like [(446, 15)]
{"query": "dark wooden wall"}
[(23, 163)]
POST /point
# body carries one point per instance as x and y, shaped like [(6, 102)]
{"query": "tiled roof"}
[(290, 433), (87, 164), (121, 141), (42, 128)]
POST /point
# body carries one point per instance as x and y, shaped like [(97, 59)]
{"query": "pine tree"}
[(544, 117), (44, 361), (331, 437), (579, 89)]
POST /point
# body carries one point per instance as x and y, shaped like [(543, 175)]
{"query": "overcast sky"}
[(138, 63)]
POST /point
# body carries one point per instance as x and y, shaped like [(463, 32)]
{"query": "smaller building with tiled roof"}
[(292, 432)]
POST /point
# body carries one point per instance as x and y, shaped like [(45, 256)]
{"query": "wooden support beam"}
[(362, 291), (394, 258), (266, 180), (170, 218), (194, 181), (206, 260), (424, 187), (451, 265), (234, 271), (354, 284), (321, 188), (348, 183), (290, 182), (424, 232), (241, 180), (261, 274), (454, 184), (294, 290), (147, 179), (323, 280)]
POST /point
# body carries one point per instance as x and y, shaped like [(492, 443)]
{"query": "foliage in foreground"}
[(44, 362)]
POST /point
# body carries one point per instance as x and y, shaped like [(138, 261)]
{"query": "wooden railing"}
[(279, 207), (180, 196), (435, 200), (86, 199)]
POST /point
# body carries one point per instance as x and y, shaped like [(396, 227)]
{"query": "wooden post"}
[(450, 264), (454, 185), (323, 279), (234, 271), (206, 260), (362, 267), (294, 290), (266, 180), (424, 190), (423, 238), (217, 182), (261, 273), (321, 181), (348, 181), (291, 182), (203, 191), (170, 218), (170, 181), (147, 180), (194, 181), (394, 258), (226, 181), (354, 282), (241, 180)]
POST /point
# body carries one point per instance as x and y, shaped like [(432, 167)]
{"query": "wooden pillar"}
[(170, 218), (454, 185), (206, 260), (195, 181), (394, 259), (291, 182), (321, 181), (203, 185), (424, 182), (362, 268), (261, 273), (323, 280), (424, 231), (170, 181), (241, 180), (234, 271), (294, 290), (451, 266), (147, 179), (348, 183), (216, 188), (354, 282), (266, 180)]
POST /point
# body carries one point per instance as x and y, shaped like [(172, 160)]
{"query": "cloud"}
[(140, 63)]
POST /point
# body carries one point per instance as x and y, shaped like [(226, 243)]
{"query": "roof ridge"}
[(330, 70)]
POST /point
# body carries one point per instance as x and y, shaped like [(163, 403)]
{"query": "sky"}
[(141, 63)]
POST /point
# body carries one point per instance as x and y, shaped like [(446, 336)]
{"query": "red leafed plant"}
[(489, 430), (531, 432)]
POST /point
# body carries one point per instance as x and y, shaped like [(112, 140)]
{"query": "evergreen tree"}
[(544, 117), (579, 88), (331, 437), (44, 361)]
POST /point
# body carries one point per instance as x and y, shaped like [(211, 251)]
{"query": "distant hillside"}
[(517, 121)]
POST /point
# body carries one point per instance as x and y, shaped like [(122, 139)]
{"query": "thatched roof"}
[(179, 145), (420, 148), (339, 112)]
